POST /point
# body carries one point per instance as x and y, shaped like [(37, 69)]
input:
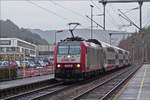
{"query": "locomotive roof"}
[(91, 44), (69, 42), (88, 43), (104, 44)]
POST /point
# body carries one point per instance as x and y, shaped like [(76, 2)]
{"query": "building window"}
[(10, 49), (17, 49), (25, 45), (2, 49), (5, 42), (32, 52)]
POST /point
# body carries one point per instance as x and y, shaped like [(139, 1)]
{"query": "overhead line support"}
[(140, 4), (104, 10), (123, 1), (127, 1), (95, 22)]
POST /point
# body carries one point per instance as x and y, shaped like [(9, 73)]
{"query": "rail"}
[(107, 92), (8, 92), (32, 92)]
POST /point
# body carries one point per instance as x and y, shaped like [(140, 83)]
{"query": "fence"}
[(20, 72)]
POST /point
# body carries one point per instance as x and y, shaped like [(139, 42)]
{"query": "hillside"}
[(49, 35), (10, 30)]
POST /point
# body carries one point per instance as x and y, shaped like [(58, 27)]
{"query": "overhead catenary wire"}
[(52, 1), (70, 10), (127, 18), (50, 11), (148, 22), (114, 10), (47, 10), (112, 20), (94, 4), (85, 17), (94, 21)]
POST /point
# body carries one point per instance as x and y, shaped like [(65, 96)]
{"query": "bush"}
[(8, 73)]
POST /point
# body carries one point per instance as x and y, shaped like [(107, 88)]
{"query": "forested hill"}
[(138, 44), (10, 30)]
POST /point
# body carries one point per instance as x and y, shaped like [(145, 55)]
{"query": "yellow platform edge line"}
[(141, 85)]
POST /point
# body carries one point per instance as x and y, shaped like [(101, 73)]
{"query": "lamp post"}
[(55, 35), (91, 21), (110, 34)]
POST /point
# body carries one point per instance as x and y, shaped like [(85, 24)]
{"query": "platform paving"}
[(24, 81), (138, 88)]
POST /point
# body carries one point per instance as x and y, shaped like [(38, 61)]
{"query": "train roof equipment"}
[(71, 30)]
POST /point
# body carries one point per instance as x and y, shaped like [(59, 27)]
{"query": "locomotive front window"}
[(74, 50), (69, 49), (63, 50)]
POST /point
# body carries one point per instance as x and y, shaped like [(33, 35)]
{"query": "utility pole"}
[(104, 10), (140, 4), (91, 21), (104, 2)]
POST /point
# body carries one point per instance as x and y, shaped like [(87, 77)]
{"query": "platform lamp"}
[(55, 35), (91, 21)]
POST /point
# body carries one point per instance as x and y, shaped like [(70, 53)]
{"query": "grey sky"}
[(48, 15)]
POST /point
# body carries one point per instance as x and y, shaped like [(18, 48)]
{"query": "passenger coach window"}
[(110, 49)]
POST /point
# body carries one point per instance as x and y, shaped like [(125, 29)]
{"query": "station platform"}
[(138, 88), (24, 81)]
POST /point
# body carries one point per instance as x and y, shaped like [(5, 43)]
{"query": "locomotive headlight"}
[(78, 65), (68, 56), (58, 65)]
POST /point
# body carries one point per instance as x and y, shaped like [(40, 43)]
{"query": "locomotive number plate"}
[(68, 65)]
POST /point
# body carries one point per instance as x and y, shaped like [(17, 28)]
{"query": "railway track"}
[(18, 90), (106, 89), (100, 88), (36, 93), (24, 88)]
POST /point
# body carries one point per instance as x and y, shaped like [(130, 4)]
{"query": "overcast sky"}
[(49, 15)]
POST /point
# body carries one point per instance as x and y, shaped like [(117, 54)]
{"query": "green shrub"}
[(8, 73)]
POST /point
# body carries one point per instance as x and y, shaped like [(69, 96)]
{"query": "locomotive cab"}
[(68, 60)]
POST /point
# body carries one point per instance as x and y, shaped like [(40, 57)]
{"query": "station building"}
[(17, 49), (45, 51)]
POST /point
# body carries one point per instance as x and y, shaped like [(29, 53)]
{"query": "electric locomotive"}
[(78, 59), (75, 60)]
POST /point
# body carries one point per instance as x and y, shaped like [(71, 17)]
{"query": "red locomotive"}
[(77, 60)]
